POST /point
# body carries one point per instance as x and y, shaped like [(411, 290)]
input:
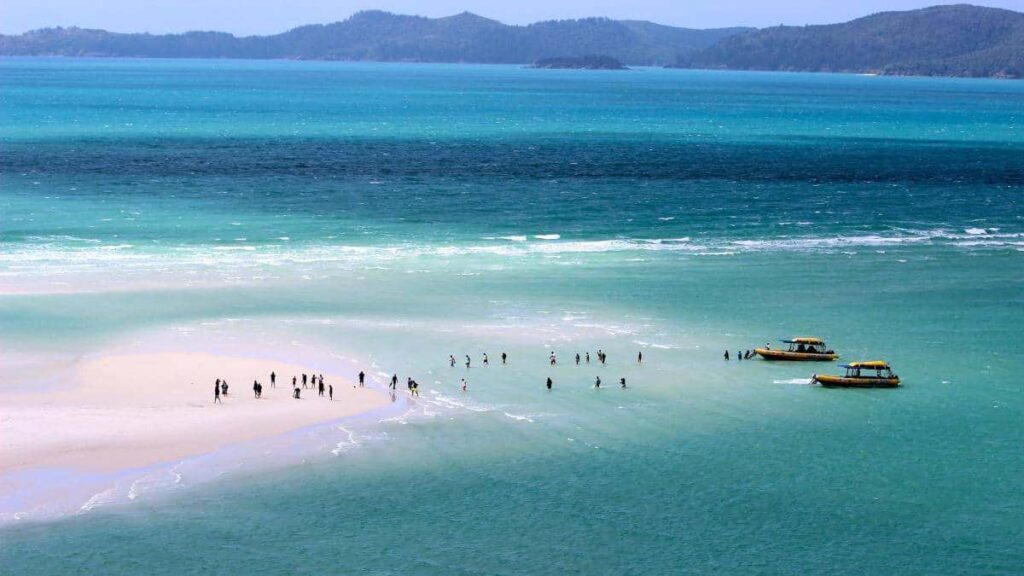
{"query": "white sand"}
[(126, 411)]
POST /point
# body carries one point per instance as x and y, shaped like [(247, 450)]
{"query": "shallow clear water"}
[(396, 214)]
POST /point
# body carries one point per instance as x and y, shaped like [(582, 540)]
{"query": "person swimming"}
[(451, 360), (504, 357), (549, 383), (597, 382), (726, 354), (622, 382), (486, 361), (467, 360), (552, 359)]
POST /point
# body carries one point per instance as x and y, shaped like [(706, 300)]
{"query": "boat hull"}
[(794, 356), (844, 382)]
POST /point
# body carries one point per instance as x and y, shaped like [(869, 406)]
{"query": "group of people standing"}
[(220, 388), (469, 361), (602, 357), (741, 355), (316, 382)]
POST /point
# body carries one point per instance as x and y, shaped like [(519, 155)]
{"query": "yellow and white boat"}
[(803, 348), (873, 374)]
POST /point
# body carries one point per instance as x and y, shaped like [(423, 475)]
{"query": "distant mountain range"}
[(959, 40), (381, 36)]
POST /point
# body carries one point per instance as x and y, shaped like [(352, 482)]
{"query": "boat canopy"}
[(805, 340), (872, 364)]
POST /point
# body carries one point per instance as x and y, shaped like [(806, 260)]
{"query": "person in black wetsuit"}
[(504, 357), (577, 358), (394, 381), (549, 383), (216, 392), (321, 388), (362, 378), (330, 393), (640, 357), (622, 382)]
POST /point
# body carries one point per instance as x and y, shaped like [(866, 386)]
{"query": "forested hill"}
[(957, 40), (382, 36)]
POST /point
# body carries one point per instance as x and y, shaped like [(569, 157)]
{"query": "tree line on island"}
[(958, 40)]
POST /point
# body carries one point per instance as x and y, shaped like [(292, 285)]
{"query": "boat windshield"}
[(857, 372), (808, 348)]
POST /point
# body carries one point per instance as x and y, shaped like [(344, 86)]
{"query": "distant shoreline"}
[(525, 66)]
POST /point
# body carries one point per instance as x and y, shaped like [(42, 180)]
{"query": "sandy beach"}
[(135, 410)]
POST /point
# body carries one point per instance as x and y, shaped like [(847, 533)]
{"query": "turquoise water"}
[(400, 213)]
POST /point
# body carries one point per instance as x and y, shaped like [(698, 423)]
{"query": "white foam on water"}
[(793, 381), (547, 236), (446, 401), (653, 345), (347, 444), (99, 499), (519, 417)]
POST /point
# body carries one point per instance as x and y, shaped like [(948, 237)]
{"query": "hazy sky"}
[(269, 16)]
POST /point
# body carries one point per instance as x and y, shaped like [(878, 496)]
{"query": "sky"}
[(246, 17)]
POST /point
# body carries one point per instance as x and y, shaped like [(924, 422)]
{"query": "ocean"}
[(393, 214)]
